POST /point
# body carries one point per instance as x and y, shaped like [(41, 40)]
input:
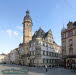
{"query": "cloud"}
[(11, 32), (19, 27)]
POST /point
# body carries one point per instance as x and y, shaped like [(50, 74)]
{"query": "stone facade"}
[(69, 43), (27, 37), (23, 57), (27, 28)]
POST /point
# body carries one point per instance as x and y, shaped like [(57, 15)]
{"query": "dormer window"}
[(70, 25)]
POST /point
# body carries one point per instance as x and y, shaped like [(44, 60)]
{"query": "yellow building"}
[(68, 37)]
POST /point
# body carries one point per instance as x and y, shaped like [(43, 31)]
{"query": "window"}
[(43, 44), (56, 54), (70, 42), (38, 52), (43, 52), (46, 45), (46, 60), (63, 35), (38, 48), (32, 53), (63, 44), (49, 61), (70, 51), (43, 60), (47, 53), (70, 33), (52, 54)]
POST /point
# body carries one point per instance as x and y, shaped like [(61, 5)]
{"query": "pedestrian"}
[(46, 67)]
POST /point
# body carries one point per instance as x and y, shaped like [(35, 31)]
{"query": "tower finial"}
[(27, 12)]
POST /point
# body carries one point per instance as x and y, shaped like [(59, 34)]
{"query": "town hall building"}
[(39, 49)]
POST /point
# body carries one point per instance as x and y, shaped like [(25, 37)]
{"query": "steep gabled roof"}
[(39, 33)]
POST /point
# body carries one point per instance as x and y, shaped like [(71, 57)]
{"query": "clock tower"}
[(27, 28), (27, 32)]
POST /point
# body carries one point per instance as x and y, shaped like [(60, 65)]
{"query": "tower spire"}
[(27, 12), (63, 28)]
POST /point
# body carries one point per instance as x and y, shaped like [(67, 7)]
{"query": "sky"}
[(47, 14)]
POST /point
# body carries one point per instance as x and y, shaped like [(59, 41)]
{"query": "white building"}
[(2, 56), (43, 49)]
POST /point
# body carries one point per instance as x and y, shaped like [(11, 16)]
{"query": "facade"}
[(7, 59), (68, 36), (44, 50), (39, 49), (14, 56), (27, 31)]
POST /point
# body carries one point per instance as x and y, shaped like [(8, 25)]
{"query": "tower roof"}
[(50, 31), (39, 33), (27, 17)]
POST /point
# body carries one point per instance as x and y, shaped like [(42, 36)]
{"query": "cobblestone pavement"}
[(37, 70)]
